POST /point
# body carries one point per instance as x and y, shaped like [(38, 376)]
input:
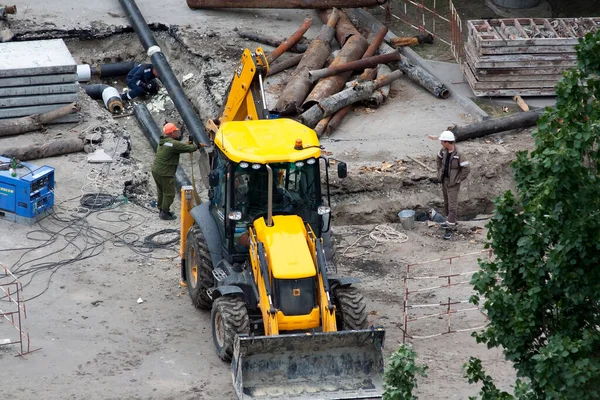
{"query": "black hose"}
[(95, 201), (114, 69), (152, 133), (94, 91), (159, 61)]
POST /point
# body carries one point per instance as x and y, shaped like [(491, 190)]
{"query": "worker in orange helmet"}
[(165, 166)]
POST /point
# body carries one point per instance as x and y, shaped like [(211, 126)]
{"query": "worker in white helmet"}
[(453, 169)]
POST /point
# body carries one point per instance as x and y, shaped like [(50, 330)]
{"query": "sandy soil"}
[(96, 341)]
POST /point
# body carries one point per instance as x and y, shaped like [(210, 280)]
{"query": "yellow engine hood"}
[(288, 253)]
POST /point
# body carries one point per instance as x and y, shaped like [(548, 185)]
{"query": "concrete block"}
[(39, 89), (38, 57), (99, 156), (21, 101), (37, 80), (16, 112)]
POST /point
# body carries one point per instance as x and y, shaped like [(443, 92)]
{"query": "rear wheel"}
[(198, 268), (229, 318), (351, 309)]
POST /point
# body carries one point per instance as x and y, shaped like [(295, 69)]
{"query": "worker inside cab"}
[(295, 189), (141, 80)]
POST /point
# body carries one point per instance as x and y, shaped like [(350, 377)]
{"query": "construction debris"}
[(330, 105), (289, 42), (368, 62), (283, 65), (412, 41), (508, 57), (99, 156), (282, 3), (315, 56)]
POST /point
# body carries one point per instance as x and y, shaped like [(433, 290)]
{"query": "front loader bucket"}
[(332, 365)]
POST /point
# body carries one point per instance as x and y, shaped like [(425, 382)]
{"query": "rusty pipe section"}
[(305, 4), (331, 104), (289, 42), (315, 56), (357, 65), (344, 29), (285, 64), (271, 41), (353, 50)]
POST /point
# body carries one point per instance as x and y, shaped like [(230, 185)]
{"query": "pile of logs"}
[(322, 88)]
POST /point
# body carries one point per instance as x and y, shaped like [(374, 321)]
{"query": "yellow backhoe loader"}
[(258, 255)]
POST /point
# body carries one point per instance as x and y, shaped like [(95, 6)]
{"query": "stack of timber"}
[(37, 77), (523, 56)]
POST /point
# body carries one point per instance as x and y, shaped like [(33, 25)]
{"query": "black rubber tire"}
[(230, 316), (351, 313), (198, 256)]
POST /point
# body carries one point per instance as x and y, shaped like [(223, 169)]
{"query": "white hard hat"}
[(447, 136)]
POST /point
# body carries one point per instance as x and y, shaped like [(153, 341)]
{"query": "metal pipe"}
[(166, 75), (289, 42), (108, 94), (271, 41), (316, 4), (153, 133), (495, 125), (269, 196), (283, 65), (344, 29), (315, 56), (353, 65), (114, 69)]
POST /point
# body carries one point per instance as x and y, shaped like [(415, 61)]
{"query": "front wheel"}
[(198, 268), (229, 318), (351, 311)]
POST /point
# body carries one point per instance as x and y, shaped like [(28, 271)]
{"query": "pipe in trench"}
[(7, 10), (303, 4), (166, 75), (108, 94), (85, 71), (153, 133)]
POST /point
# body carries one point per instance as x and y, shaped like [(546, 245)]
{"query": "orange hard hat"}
[(169, 128)]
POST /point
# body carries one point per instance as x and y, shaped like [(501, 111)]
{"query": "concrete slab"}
[(21, 101), (38, 89), (37, 80), (99, 156), (39, 57), (15, 112)]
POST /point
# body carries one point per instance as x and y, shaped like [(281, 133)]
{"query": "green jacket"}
[(167, 155)]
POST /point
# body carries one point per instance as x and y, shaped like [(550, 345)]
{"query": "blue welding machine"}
[(26, 192)]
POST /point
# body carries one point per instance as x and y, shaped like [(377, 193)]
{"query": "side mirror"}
[(213, 179), (342, 170)]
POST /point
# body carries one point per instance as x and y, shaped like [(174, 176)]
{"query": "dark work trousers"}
[(450, 200), (165, 188)]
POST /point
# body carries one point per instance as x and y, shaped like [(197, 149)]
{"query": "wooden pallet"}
[(522, 56)]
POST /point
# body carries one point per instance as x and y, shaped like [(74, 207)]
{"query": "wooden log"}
[(331, 104), (49, 149), (271, 41), (315, 56), (283, 65), (16, 126), (322, 126), (289, 42), (379, 95), (521, 103), (304, 4), (412, 41), (490, 126), (422, 164), (358, 65)]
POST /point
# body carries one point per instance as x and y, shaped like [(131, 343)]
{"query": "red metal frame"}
[(12, 293), (449, 307)]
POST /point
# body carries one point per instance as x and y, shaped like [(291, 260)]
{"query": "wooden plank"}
[(480, 85), (540, 61), (526, 50), (521, 71), (549, 58), (514, 92)]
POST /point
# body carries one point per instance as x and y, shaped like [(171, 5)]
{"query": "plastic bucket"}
[(407, 219)]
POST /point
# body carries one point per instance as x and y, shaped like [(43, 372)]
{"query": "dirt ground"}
[(85, 270)]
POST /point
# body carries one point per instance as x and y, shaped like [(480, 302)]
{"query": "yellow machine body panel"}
[(286, 245), (299, 322), (267, 141)]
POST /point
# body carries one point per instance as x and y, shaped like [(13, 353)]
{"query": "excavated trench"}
[(364, 197)]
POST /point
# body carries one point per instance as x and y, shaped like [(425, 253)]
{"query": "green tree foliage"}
[(401, 374), (542, 290)]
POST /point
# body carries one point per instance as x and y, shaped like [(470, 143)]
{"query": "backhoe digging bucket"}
[(333, 365)]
